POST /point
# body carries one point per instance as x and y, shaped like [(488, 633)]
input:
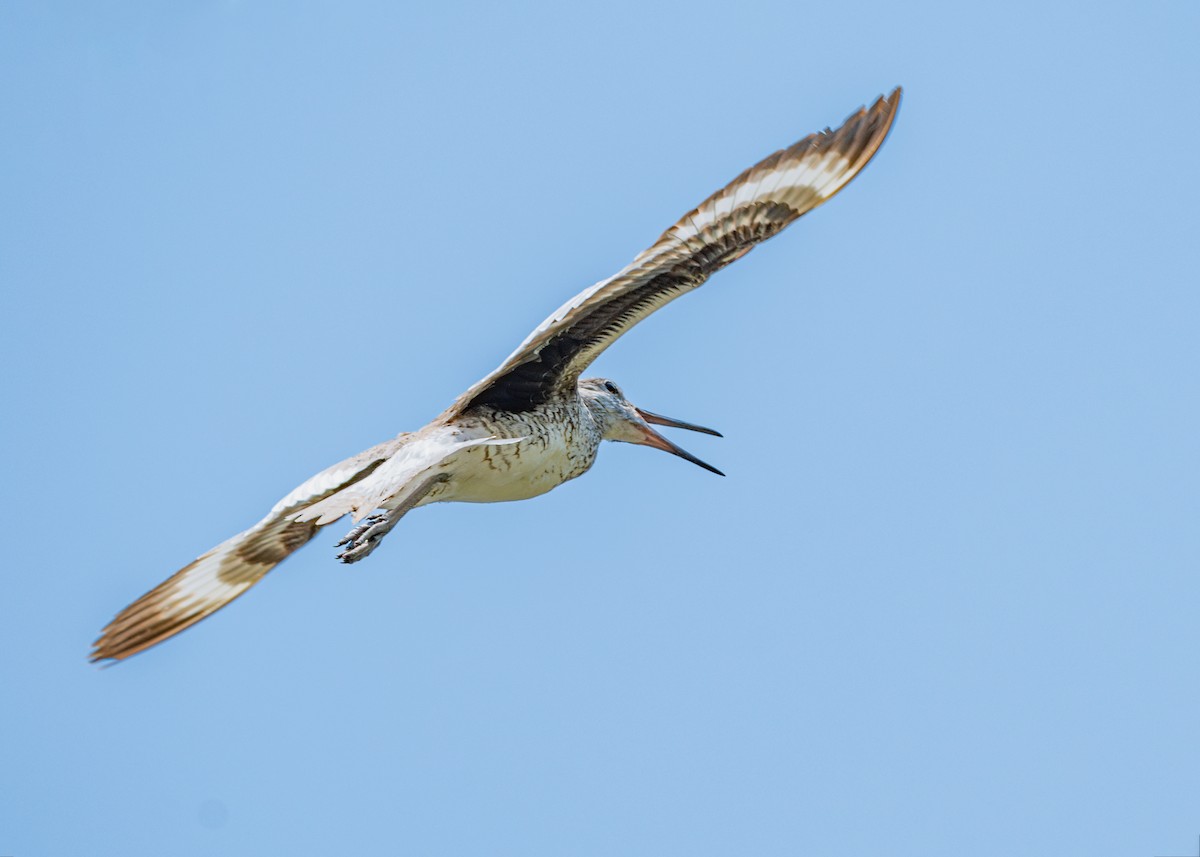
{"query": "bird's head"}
[(622, 421)]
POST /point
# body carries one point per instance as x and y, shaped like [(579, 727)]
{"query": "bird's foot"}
[(365, 537)]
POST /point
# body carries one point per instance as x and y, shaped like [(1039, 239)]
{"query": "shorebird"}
[(532, 424)]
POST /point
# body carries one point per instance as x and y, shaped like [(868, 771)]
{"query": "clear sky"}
[(945, 602)]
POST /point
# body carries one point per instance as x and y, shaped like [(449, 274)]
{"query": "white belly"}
[(517, 471)]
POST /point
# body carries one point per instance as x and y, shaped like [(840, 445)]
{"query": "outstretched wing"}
[(405, 474), (211, 581), (750, 209)]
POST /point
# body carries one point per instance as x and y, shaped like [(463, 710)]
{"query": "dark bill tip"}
[(656, 440)]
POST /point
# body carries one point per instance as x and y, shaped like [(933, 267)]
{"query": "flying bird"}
[(532, 424)]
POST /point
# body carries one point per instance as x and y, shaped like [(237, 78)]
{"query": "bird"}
[(533, 423)]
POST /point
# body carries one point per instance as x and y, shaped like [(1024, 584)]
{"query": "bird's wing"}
[(394, 483), (213, 580), (750, 209)]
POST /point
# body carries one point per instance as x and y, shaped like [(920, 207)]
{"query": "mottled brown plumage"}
[(532, 424)]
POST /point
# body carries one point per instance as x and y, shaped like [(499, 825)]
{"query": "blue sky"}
[(945, 601)]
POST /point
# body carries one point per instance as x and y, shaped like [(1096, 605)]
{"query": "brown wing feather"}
[(211, 581), (200, 588), (752, 208)]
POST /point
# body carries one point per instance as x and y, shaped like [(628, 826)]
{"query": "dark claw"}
[(355, 534)]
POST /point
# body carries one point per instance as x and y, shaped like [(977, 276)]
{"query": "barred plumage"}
[(532, 424)]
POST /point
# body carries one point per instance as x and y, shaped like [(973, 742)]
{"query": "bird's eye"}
[(612, 388)]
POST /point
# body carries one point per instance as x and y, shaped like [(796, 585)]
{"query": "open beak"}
[(656, 440)]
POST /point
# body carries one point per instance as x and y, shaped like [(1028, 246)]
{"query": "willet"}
[(532, 424)]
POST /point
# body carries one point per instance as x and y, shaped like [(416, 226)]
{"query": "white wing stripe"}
[(723, 228)]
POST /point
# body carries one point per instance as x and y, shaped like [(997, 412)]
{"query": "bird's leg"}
[(366, 536), (359, 530)]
